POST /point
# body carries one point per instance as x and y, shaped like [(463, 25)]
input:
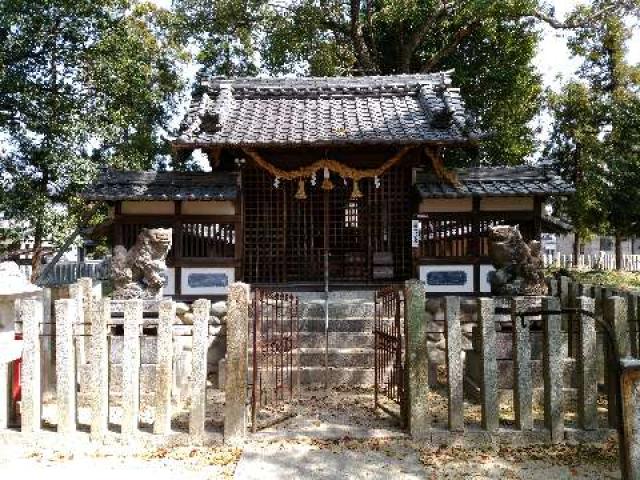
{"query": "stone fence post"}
[(614, 311), (197, 416), (66, 311), (630, 444), (235, 407), (164, 370), (101, 317), (31, 316), (416, 360), (131, 367), (489, 365)]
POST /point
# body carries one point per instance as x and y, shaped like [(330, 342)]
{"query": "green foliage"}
[(623, 280), (226, 32), (596, 139), (86, 83), (575, 149)]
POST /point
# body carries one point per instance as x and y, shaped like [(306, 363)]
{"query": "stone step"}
[(337, 357), (337, 340), (337, 376), (314, 309), (352, 324)]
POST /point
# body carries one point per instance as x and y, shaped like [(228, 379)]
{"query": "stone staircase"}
[(351, 354)]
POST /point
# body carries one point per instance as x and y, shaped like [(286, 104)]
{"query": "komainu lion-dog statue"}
[(138, 272), (519, 265)]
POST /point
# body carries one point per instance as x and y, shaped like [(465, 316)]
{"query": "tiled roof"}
[(260, 112), (122, 185), (496, 181)]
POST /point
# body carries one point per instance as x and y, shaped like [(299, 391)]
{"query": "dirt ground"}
[(336, 435)]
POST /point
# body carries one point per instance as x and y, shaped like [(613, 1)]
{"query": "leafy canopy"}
[(84, 83)]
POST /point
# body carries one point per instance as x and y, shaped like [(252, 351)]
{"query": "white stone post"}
[(66, 311), (31, 316), (76, 293), (164, 371), (86, 290), (131, 367), (201, 310)]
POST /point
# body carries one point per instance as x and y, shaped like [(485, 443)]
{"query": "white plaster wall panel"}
[(485, 286)]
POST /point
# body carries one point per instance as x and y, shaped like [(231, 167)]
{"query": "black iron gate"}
[(389, 350), (276, 357)]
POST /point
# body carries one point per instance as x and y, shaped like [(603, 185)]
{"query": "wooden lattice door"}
[(284, 237)]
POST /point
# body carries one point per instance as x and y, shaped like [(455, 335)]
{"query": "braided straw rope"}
[(333, 165)]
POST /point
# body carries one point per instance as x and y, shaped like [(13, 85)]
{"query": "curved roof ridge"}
[(443, 77)]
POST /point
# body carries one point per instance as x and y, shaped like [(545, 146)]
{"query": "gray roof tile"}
[(401, 109), (495, 181), (125, 185)]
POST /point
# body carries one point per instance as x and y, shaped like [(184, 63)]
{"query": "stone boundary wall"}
[(83, 353), (555, 349)]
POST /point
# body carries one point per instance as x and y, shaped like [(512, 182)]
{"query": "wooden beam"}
[(443, 173)]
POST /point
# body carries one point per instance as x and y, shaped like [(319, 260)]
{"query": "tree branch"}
[(459, 36), (357, 37), (571, 23), (418, 35)]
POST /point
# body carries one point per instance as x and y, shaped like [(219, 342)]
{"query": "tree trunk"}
[(36, 259), (618, 252), (576, 248)]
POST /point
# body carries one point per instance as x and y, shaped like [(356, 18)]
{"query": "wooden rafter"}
[(442, 172)]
